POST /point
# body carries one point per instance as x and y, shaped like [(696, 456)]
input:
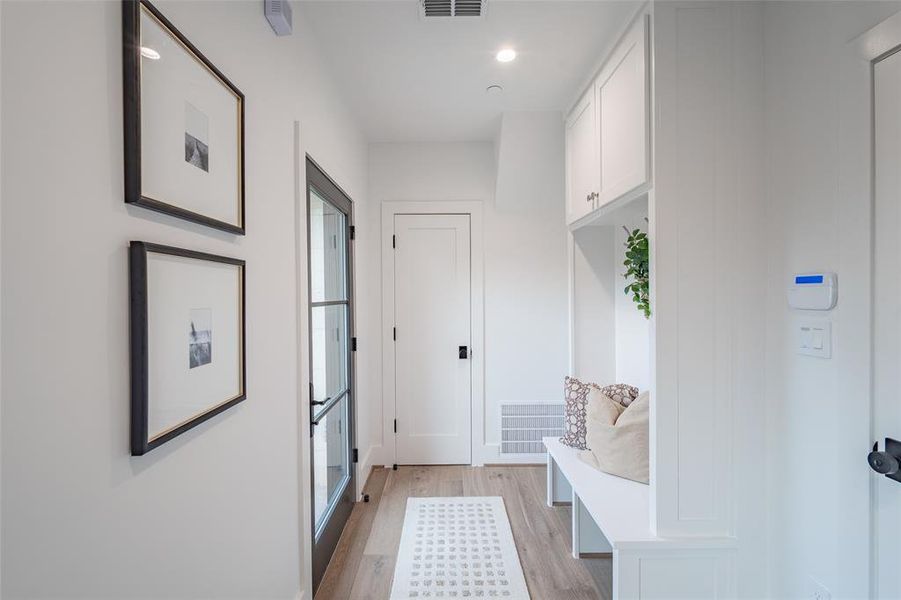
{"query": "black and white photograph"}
[(200, 338), (197, 135)]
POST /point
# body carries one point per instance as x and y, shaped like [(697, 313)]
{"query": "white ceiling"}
[(410, 79)]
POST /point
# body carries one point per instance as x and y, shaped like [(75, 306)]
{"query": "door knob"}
[(463, 352), (887, 463)]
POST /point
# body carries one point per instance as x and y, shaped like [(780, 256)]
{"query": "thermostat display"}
[(813, 291)]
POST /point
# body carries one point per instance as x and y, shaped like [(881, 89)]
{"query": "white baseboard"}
[(365, 467)]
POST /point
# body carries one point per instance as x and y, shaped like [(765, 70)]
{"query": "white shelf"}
[(617, 210)]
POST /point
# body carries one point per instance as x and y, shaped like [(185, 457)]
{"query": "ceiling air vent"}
[(452, 8)]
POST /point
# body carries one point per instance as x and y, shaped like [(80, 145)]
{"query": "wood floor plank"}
[(349, 552), (385, 535), (374, 577), (543, 538)]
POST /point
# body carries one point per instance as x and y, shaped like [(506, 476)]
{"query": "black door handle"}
[(887, 463), (463, 352)]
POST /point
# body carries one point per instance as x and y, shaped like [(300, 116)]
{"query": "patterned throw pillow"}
[(576, 402), (620, 392)]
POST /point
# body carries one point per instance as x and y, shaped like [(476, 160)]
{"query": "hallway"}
[(363, 564)]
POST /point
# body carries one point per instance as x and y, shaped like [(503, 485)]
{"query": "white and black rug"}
[(458, 548)]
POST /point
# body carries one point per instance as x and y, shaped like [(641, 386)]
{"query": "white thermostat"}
[(813, 291)]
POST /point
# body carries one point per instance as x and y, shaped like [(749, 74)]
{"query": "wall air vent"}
[(523, 426), (452, 8)]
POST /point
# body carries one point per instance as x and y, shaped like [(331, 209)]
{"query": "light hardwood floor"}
[(363, 564)]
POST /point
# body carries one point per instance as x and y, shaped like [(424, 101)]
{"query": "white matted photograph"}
[(177, 103), (182, 303)]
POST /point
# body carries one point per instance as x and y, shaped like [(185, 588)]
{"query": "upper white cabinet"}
[(581, 158), (621, 92), (607, 132)]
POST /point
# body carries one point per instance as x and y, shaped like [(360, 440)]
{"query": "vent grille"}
[(524, 425), (278, 13), (452, 8)]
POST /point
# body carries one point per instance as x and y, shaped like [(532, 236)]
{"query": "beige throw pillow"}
[(620, 447), (601, 407)]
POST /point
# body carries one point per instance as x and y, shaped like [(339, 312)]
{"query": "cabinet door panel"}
[(622, 98), (581, 158)]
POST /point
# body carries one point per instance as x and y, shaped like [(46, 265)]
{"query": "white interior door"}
[(432, 339), (887, 319)]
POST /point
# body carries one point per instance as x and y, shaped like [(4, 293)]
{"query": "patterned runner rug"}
[(458, 548)]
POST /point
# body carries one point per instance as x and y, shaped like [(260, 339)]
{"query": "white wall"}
[(633, 353), (520, 183), (610, 336), (818, 410), (594, 300), (525, 268), (216, 512)]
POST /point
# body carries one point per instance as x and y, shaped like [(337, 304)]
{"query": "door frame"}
[(473, 208), (856, 194), (333, 193)]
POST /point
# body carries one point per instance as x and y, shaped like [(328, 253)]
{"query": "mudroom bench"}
[(611, 516)]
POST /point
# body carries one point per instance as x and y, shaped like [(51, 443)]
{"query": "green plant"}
[(638, 270)]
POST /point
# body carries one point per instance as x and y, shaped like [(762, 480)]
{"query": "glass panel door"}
[(329, 215)]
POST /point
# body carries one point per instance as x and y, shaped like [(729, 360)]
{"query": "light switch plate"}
[(814, 338)]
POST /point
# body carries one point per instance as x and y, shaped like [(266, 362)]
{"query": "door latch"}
[(887, 463), (463, 352)]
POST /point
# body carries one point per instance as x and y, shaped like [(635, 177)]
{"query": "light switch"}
[(815, 338), (806, 338)]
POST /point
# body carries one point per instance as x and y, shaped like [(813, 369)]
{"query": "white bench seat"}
[(618, 508)]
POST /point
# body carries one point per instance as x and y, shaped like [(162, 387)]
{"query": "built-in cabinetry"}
[(582, 174), (607, 132), (695, 68)]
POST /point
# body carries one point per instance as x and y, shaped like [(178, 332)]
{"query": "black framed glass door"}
[(329, 222)]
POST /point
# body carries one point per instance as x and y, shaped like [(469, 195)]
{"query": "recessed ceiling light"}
[(149, 53), (506, 55)]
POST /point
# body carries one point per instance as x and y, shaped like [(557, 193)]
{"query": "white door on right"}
[(887, 318), (432, 312)]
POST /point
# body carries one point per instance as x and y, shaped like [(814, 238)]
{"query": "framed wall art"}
[(187, 340), (184, 125)]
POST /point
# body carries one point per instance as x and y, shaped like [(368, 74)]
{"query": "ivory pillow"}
[(620, 447), (601, 407)]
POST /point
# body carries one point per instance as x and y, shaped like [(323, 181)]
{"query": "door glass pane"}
[(329, 334), (328, 249), (330, 464)]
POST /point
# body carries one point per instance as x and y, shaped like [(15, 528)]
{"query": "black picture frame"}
[(131, 66), (141, 443)]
